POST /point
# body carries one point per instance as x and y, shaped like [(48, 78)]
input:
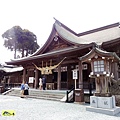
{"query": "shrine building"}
[(92, 53)]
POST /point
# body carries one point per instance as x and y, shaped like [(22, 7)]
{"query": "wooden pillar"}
[(36, 79), (68, 76), (102, 80), (97, 81), (105, 85), (114, 70), (24, 75), (59, 78), (80, 75)]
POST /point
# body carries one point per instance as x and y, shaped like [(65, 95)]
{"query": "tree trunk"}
[(26, 53), (22, 52), (15, 54)]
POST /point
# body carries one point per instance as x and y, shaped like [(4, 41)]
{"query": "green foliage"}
[(22, 40)]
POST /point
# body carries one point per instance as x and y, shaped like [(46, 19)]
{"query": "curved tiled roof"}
[(98, 36), (67, 35), (110, 55)]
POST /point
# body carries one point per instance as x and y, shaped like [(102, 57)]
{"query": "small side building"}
[(10, 76)]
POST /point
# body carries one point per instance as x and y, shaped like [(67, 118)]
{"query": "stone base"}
[(112, 111), (102, 102), (103, 94), (105, 105)]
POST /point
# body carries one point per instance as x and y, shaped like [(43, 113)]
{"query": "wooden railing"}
[(67, 94)]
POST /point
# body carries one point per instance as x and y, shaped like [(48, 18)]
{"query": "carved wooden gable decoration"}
[(57, 44)]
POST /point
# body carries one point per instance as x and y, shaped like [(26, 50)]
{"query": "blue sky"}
[(37, 16)]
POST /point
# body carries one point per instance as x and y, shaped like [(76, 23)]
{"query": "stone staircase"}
[(55, 95)]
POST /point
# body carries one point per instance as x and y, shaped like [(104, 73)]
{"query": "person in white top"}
[(40, 83)]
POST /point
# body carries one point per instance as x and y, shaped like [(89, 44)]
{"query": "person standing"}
[(40, 83), (26, 91), (22, 89), (44, 82)]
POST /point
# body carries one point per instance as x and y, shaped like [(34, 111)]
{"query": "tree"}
[(22, 40)]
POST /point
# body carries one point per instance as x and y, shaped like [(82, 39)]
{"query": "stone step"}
[(40, 94)]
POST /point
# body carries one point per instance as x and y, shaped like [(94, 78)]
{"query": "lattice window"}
[(99, 66)]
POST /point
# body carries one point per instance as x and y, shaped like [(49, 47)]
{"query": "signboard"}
[(75, 74), (8, 112), (31, 79)]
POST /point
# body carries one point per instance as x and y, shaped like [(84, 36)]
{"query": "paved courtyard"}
[(37, 109)]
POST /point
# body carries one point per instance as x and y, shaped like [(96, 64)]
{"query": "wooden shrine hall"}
[(61, 54)]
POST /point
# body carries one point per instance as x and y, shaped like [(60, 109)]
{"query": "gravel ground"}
[(37, 109)]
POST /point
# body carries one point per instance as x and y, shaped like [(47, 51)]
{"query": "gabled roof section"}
[(103, 34), (70, 38), (68, 34), (99, 35), (50, 40), (47, 43), (99, 52), (99, 29)]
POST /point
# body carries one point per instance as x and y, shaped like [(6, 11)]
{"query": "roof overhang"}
[(50, 54), (94, 51), (11, 70)]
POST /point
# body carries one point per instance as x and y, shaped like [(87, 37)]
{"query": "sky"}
[(38, 17)]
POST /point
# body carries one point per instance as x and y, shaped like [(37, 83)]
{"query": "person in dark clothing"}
[(26, 90), (44, 82)]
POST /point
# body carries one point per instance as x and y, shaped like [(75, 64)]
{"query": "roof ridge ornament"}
[(57, 21)]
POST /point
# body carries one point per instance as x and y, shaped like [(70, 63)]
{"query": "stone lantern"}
[(101, 62), (101, 69)]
